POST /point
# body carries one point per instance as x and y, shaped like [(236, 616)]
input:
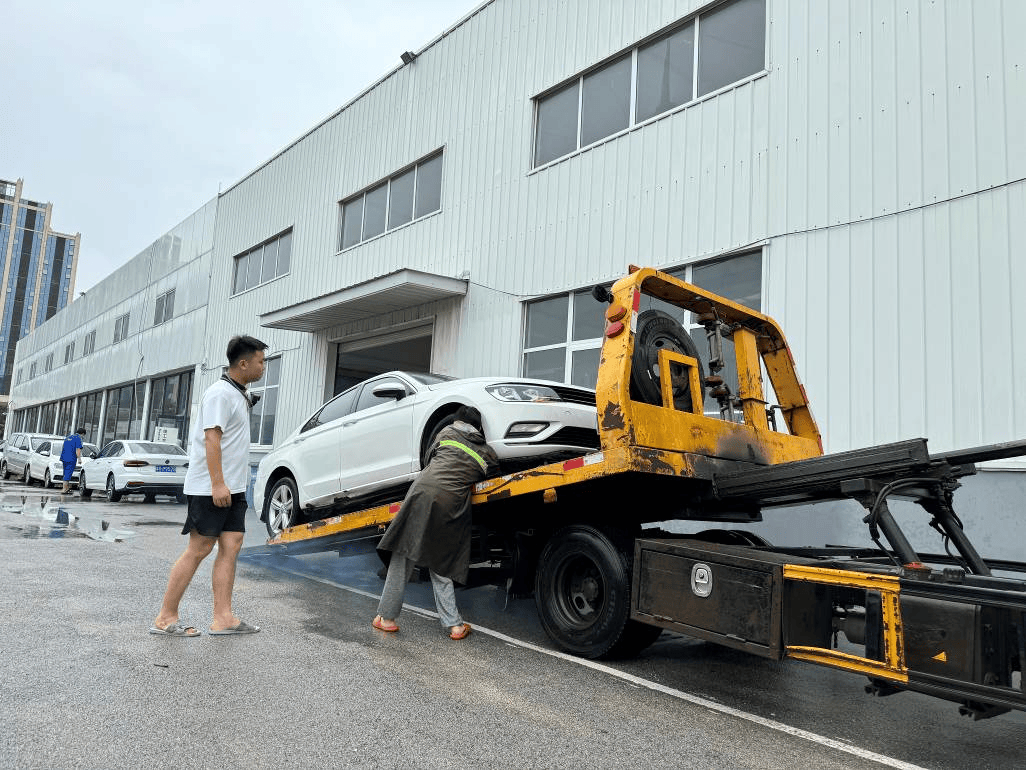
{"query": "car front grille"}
[(570, 436), (575, 395)]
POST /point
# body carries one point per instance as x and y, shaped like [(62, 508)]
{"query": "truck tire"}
[(281, 507), (583, 595), (657, 331)]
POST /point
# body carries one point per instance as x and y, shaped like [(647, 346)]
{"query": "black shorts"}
[(209, 520)]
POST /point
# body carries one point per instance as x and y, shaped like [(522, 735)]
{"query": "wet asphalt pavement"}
[(85, 685)]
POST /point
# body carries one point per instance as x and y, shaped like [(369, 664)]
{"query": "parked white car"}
[(17, 451), (373, 438), (136, 468), (45, 466)]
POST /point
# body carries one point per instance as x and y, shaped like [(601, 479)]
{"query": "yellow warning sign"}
[(942, 656)]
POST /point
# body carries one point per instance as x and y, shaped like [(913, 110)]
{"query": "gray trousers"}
[(400, 569)]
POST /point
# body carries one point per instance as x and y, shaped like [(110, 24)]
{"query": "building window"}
[(89, 416), (563, 334), (48, 417), (32, 371), (88, 344), (121, 327), (17, 380), (263, 263), (410, 194), (262, 415), (165, 308), (64, 419), (48, 364), (653, 78), (169, 408), (124, 413), (69, 353)]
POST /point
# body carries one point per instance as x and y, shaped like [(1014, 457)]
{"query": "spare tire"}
[(658, 331)]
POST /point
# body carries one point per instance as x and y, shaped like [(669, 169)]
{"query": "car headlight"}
[(522, 393)]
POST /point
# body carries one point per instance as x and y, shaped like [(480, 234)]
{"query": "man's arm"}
[(219, 490)]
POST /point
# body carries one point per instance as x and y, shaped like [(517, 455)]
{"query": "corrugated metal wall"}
[(877, 160)]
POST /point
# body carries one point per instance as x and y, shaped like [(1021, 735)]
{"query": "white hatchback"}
[(136, 468), (372, 440)]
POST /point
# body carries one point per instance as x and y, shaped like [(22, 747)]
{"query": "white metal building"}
[(852, 169)]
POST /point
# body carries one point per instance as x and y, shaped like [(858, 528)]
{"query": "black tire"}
[(431, 437), (658, 331), (281, 506), (84, 493), (583, 595), (150, 498), (112, 493), (4, 472), (47, 481), (181, 498), (26, 476)]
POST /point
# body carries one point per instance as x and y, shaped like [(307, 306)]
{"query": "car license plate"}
[(165, 469)]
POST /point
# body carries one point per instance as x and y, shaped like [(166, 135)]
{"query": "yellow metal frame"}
[(758, 342), (893, 666), (347, 522), (690, 363)]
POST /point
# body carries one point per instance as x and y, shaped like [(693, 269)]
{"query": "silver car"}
[(17, 451)]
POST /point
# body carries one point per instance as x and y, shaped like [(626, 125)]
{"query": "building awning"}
[(395, 291)]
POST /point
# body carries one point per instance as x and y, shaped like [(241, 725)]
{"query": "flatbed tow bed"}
[(574, 534)]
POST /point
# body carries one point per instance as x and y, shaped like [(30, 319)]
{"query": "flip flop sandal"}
[(175, 629), (242, 627), (462, 633), (382, 627)]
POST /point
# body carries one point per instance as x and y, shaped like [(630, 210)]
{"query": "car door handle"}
[(347, 424)]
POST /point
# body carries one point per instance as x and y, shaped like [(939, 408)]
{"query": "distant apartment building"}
[(37, 270)]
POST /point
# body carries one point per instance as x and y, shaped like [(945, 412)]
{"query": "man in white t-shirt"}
[(216, 487)]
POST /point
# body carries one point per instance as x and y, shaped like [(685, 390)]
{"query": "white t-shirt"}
[(224, 407)]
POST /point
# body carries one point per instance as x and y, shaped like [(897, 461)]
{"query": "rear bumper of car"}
[(143, 487)]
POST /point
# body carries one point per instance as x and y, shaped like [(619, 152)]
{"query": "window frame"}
[(633, 122), (121, 327), (164, 308), (386, 183), (244, 257), (258, 410)]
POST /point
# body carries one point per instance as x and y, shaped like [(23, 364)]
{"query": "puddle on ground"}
[(47, 517)]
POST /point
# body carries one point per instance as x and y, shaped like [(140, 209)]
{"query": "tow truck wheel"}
[(583, 594), (282, 506), (657, 331)]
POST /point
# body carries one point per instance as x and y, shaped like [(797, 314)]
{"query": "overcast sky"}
[(128, 115)]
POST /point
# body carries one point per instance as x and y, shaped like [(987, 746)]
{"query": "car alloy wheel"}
[(281, 506), (47, 481), (112, 493)]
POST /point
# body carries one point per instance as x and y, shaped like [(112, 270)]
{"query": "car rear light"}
[(134, 463), (525, 429)]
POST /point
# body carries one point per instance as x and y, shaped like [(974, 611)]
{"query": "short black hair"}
[(242, 345), (470, 415), (81, 431)]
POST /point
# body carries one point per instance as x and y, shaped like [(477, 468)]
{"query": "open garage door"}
[(406, 349)]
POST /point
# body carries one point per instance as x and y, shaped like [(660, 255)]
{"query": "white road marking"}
[(696, 700)]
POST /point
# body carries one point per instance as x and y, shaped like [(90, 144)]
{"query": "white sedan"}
[(45, 465), (136, 468), (371, 441)]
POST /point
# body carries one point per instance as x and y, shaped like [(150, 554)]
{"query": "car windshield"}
[(152, 448), (87, 448), (426, 378), (36, 442)]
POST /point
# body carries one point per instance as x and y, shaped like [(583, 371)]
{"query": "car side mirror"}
[(91, 455), (45, 453), (389, 390)]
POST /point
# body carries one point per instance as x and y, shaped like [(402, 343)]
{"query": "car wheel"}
[(583, 595), (281, 510), (84, 492), (3, 470), (150, 499), (431, 438), (26, 477), (181, 497), (47, 481), (658, 331), (112, 493)]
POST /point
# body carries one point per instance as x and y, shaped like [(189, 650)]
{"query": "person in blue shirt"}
[(71, 453)]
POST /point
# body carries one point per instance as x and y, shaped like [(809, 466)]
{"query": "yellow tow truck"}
[(679, 443)]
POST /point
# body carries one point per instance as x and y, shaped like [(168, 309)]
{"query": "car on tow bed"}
[(370, 441), (136, 468)]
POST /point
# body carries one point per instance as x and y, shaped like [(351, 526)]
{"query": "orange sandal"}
[(379, 623), (462, 633)]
